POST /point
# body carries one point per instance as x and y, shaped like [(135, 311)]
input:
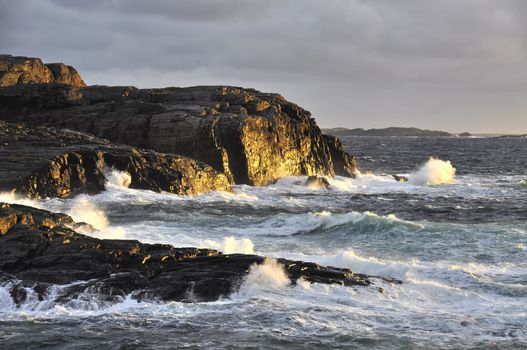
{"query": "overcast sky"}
[(451, 65)]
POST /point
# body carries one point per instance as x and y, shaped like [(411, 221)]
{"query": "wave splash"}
[(230, 245), (82, 209), (434, 172), (269, 276), (117, 178)]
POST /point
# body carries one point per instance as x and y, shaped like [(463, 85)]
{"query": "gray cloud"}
[(452, 64)]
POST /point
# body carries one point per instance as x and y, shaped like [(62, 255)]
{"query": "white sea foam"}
[(117, 178), (434, 172), (45, 305)]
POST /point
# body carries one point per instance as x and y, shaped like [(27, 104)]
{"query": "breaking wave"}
[(291, 224), (83, 209), (117, 178), (434, 172), (269, 276)]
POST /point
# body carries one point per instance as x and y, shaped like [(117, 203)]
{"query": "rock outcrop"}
[(252, 137), (45, 162), (39, 249), (26, 70)]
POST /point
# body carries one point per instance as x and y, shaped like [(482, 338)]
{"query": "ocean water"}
[(455, 233)]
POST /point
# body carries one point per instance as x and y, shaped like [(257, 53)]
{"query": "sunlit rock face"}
[(42, 162), (26, 70), (252, 137)]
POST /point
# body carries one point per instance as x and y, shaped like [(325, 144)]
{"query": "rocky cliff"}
[(39, 249), (45, 162), (252, 137)]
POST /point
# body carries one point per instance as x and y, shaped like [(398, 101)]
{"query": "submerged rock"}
[(39, 249), (46, 162), (317, 182), (252, 137)]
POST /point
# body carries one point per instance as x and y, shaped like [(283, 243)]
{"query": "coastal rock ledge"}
[(41, 162), (40, 250), (252, 137)]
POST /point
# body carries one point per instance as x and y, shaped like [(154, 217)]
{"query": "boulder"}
[(252, 137), (16, 70), (46, 162), (39, 249)]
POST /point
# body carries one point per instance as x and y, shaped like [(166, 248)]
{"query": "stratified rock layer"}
[(253, 137), (45, 162), (39, 248)]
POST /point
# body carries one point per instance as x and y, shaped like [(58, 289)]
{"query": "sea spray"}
[(13, 198), (231, 245), (116, 177), (269, 276), (434, 172), (84, 210)]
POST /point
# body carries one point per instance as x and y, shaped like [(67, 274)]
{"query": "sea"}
[(455, 233)]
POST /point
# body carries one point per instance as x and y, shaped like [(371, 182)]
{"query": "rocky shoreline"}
[(59, 138), (40, 249), (41, 162)]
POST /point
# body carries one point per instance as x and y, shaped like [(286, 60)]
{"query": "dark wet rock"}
[(465, 134), (400, 178), (16, 70), (317, 182), (252, 137), (46, 162), (39, 249)]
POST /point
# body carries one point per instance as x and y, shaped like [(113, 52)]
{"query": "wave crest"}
[(292, 224)]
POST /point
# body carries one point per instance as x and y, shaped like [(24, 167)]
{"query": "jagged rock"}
[(253, 137), (317, 182), (39, 248), (15, 70), (45, 162)]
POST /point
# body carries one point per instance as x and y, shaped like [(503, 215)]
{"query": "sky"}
[(453, 65)]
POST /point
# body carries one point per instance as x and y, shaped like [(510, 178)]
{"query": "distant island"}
[(391, 131)]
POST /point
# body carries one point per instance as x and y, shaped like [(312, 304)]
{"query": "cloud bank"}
[(453, 64)]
